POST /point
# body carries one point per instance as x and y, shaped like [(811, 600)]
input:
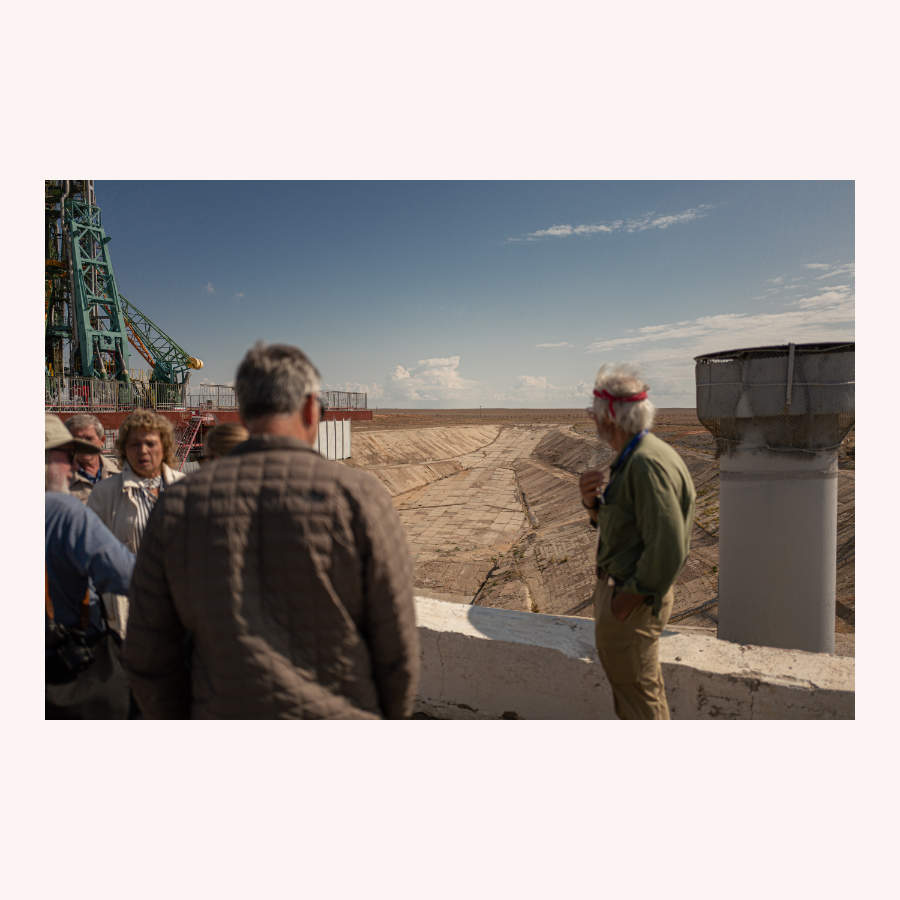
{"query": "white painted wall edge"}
[(483, 663)]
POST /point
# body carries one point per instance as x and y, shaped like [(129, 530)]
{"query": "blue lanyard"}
[(93, 479), (630, 447)]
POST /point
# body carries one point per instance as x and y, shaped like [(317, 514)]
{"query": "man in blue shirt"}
[(90, 468), (82, 557)]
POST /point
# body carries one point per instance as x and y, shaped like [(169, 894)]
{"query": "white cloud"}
[(374, 390), (630, 226), (553, 231), (665, 353), (434, 382), (837, 298), (532, 390), (783, 287), (812, 317), (651, 220), (532, 382), (210, 289), (836, 271), (538, 391), (583, 390), (830, 270), (566, 230), (554, 346)]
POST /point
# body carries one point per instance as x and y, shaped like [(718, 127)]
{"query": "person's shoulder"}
[(69, 509), (653, 447), (656, 455), (110, 467), (350, 475), (106, 488), (170, 475), (63, 504)]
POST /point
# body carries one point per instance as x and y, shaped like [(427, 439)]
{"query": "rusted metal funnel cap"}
[(787, 397)]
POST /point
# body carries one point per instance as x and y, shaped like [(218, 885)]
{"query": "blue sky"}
[(485, 293)]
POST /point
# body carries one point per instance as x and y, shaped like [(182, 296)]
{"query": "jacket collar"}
[(132, 480), (259, 442), (107, 467)]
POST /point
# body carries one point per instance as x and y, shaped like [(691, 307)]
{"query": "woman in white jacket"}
[(146, 449)]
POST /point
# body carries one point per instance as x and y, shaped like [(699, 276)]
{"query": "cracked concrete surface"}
[(496, 524)]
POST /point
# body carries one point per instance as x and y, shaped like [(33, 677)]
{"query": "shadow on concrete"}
[(572, 635)]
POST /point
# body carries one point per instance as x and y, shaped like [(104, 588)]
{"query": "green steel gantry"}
[(88, 323), (171, 364)]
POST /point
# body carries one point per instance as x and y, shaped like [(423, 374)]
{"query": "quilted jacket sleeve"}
[(390, 616), (154, 652)]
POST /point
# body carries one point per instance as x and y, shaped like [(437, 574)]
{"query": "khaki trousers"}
[(629, 652)]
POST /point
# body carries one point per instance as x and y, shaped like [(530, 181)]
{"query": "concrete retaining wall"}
[(376, 449), (480, 663)]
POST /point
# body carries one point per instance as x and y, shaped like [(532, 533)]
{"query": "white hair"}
[(623, 381), (86, 420), (56, 481)]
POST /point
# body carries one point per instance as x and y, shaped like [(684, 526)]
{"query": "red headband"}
[(631, 398)]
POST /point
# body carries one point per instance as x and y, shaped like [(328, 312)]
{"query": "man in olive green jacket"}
[(643, 510)]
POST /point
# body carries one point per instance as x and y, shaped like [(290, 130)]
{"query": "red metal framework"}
[(186, 437)]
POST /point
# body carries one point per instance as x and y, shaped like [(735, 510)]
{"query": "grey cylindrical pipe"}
[(779, 415), (777, 547)]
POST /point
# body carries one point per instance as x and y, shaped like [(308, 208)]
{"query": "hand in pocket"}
[(624, 603)]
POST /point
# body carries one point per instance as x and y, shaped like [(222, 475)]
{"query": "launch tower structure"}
[(88, 323)]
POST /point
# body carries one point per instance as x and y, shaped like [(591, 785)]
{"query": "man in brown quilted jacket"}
[(274, 583)]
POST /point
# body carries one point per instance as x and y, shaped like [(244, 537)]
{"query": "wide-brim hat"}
[(58, 437)]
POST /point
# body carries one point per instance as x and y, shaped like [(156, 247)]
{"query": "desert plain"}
[(490, 503)]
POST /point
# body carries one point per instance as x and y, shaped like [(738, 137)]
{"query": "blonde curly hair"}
[(150, 421)]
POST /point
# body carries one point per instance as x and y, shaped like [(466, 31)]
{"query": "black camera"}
[(72, 651)]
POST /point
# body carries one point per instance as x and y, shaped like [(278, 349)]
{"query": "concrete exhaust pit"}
[(492, 511)]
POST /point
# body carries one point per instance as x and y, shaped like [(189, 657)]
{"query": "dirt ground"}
[(490, 502)]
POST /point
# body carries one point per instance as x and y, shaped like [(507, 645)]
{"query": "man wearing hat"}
[(643, 510), (84, 679)]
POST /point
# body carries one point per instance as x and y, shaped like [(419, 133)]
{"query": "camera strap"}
[(85, 603)]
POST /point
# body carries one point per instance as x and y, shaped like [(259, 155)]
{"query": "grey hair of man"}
[(622, 380), (273, 379), (86, 420)]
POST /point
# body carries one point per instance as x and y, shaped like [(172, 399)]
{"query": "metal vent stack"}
[(778, 415)]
